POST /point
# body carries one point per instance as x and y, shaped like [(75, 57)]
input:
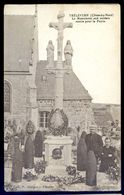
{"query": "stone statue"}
[(60, 26), (68, 52), (50, 52)]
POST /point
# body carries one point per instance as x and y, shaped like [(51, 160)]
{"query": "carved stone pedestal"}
[(58, 154)]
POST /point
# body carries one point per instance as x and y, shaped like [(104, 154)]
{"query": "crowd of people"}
[(23, 145)]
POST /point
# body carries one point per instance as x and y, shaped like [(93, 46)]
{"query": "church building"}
[(29, 84)]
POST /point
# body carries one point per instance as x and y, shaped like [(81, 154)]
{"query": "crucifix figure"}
[(60, 26)]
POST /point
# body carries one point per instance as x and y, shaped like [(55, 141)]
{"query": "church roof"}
[(18, 34), (45, 82)]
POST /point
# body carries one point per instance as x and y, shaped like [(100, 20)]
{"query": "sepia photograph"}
[(62, 106)]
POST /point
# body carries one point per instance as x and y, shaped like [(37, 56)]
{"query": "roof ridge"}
[(73, 88), (82, 84)]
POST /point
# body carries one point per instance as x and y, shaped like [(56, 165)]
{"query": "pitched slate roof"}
[(18, 34), (73, 89)]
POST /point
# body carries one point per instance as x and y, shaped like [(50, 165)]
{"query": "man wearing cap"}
[(94, 145)]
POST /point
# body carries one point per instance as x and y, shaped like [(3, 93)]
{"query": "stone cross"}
[(60, 26)]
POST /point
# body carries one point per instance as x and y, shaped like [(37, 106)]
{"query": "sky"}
[(96, 46)]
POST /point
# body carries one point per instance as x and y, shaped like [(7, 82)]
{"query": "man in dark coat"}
[(94, 145), (94, 141), (107, 157)]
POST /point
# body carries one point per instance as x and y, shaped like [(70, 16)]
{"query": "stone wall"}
[(46, 105), (79, 112), (18, 96)]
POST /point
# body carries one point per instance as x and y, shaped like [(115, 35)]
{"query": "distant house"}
[(105, 113)]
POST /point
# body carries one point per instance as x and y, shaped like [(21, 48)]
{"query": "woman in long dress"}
[(82, 153), (108, 156), (29, 153), (38, 143), (17, 161), (10, 148), (29, 146)]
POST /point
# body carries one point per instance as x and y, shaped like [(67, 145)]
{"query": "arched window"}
[(7, 96), (43, 119)]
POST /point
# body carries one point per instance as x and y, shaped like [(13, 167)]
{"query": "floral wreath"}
[(57, 127)]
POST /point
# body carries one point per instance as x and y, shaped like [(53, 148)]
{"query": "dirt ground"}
[(103, 183)]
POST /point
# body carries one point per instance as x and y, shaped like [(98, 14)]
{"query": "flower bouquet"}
[(50, 178), (29, 176), (114, 172), (40, 167), (64, 180), (71, 170)]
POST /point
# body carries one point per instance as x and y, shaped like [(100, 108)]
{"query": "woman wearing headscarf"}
[(17, 161), (38, 144), (29, 147)]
